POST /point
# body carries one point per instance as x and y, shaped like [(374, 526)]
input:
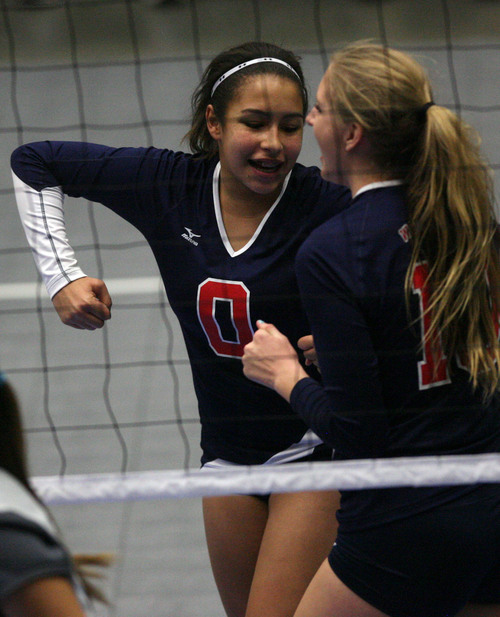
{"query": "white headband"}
[(248, 63)]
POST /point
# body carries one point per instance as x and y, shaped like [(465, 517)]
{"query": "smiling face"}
[(328, 132), (260, 138)]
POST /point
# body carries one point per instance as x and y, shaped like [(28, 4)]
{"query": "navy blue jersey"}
[(385, 394), (216, 293)]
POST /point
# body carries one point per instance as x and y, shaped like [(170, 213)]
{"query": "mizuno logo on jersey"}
[(190, 236)]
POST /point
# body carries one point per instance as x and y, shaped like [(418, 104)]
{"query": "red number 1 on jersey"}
[(433, 368)]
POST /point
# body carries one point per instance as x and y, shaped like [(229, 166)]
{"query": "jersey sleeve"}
[(28, 553), (349, 413), (123, 179)]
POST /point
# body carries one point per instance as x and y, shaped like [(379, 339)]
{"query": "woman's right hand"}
[(270, 359), (84, 304)]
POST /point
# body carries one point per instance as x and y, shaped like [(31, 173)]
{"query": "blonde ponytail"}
[(453, 227)]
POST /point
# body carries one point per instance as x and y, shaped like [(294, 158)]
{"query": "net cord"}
[(262, 479)]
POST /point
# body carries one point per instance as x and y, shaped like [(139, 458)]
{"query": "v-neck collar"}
[(220, 222)]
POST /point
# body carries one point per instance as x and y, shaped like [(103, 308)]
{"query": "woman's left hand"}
[(271, 360), (306, 344)]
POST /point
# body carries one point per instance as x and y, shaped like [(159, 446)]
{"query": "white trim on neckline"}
[(220, 222), (378, 185)]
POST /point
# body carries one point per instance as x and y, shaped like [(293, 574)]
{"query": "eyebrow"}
[(268, 114)]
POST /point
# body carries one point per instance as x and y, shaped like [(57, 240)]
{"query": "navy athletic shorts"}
[(323, 452), (429, 564)]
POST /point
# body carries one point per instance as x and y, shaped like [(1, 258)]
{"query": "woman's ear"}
[(353, 136), (213, 124)]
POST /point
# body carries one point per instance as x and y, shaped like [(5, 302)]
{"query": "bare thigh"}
[(327, 596), (234, 526), (300, 531)]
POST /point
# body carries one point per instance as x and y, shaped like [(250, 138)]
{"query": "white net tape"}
[(290, 477)]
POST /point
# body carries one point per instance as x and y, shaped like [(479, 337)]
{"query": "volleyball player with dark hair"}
[(224, 224), (38, 576), (402, 291)]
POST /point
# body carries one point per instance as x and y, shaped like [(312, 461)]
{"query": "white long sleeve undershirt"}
[(42, 217)]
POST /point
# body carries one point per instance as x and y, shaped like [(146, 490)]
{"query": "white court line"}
[(116, 287)]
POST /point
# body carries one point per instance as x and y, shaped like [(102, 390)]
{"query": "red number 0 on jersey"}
[(433, 368), (237, 296)]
